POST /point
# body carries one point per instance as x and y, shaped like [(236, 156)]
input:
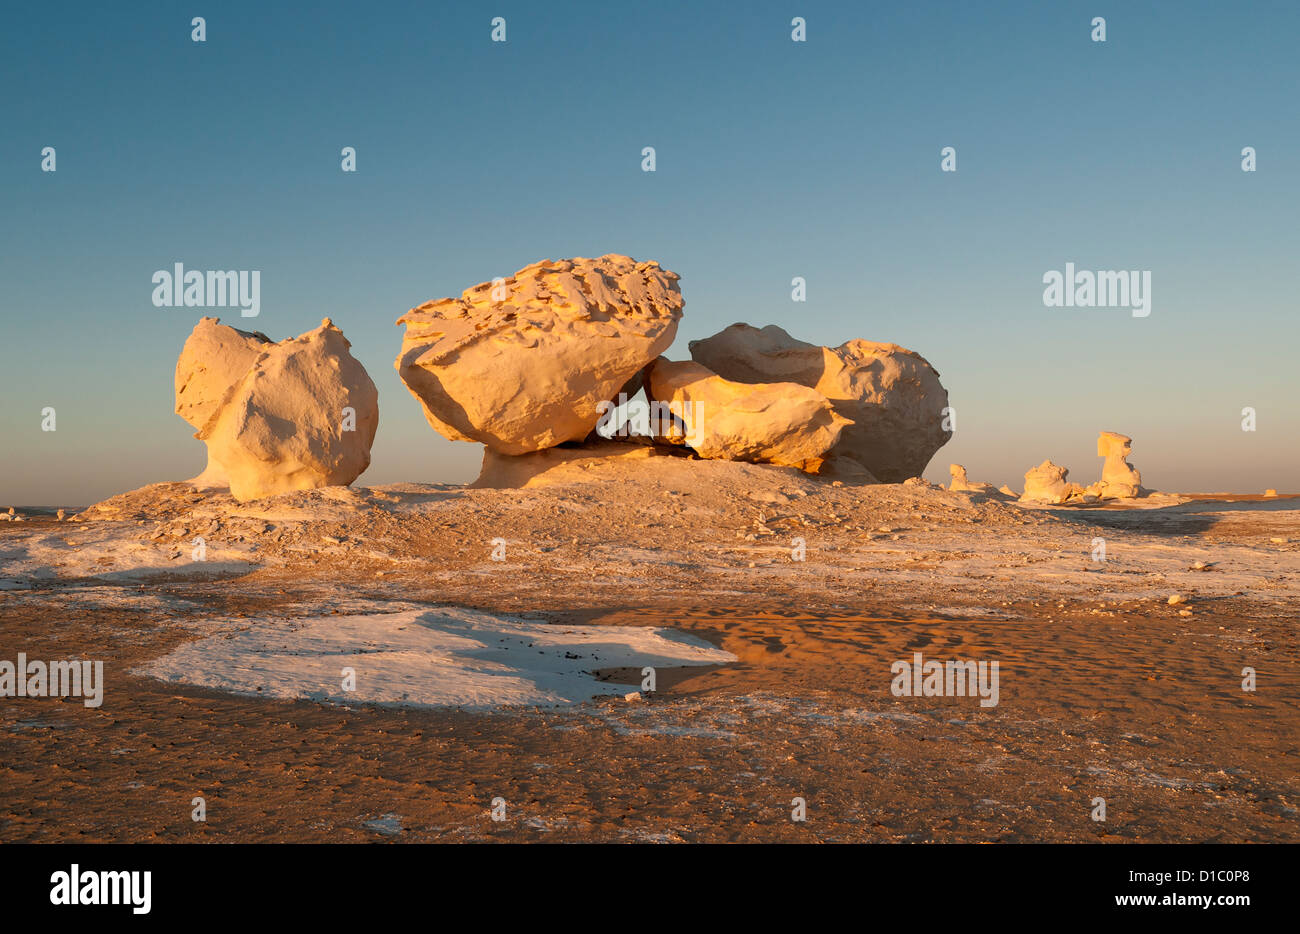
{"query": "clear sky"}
[(775, 159)]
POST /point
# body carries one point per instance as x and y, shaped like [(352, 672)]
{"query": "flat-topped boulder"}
[(524, 363)]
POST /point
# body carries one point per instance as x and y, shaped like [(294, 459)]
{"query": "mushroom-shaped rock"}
[(524, 363), (1046, 484), (891, 396), (772, 423), (276, 417), (1119, 479)]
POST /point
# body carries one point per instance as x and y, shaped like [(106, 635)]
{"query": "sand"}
[(1107, 689)]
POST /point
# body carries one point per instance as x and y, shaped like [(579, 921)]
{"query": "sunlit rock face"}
[(891, 395), (276, 417), (1119, 478), (1046, 483), (773, 423), (962, 484), (524, 363)]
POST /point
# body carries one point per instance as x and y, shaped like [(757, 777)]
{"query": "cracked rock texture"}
[(523, 363)]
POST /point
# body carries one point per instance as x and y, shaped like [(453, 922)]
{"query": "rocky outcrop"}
[(960, 484), (892, 396), (276, 417), (524, 363), (770, 423), (1119, 479), (1046, 483)]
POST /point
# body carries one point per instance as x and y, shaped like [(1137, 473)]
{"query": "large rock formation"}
[(212, 362), (276, 417), (1119, 479), (773, 423), (524, 364), (891, 395)]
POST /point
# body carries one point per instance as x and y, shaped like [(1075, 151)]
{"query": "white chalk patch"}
[(111, 551), (427, 658)]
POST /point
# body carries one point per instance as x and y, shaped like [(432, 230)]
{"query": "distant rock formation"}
[(774, 423), (960, 484), (524, 363), (1119, 479), (276, 417), (891, 396), (1046, 484)]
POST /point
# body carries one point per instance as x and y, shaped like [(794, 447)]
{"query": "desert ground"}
[(1106, 688)]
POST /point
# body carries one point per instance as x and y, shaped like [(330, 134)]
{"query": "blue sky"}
[(775, 159)]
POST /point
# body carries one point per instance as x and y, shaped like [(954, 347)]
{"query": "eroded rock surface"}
[(1119, 479), (774, 423), (524, 363), (276, 417), (1046, 483), (960, 483), (891, 395)]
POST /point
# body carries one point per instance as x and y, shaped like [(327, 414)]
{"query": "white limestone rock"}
[(525, 364), (1046, 483), (1119, 479), (276, 417), (769, 423), (891, 396)]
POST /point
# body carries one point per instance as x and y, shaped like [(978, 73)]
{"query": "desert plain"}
[(814, 587)]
